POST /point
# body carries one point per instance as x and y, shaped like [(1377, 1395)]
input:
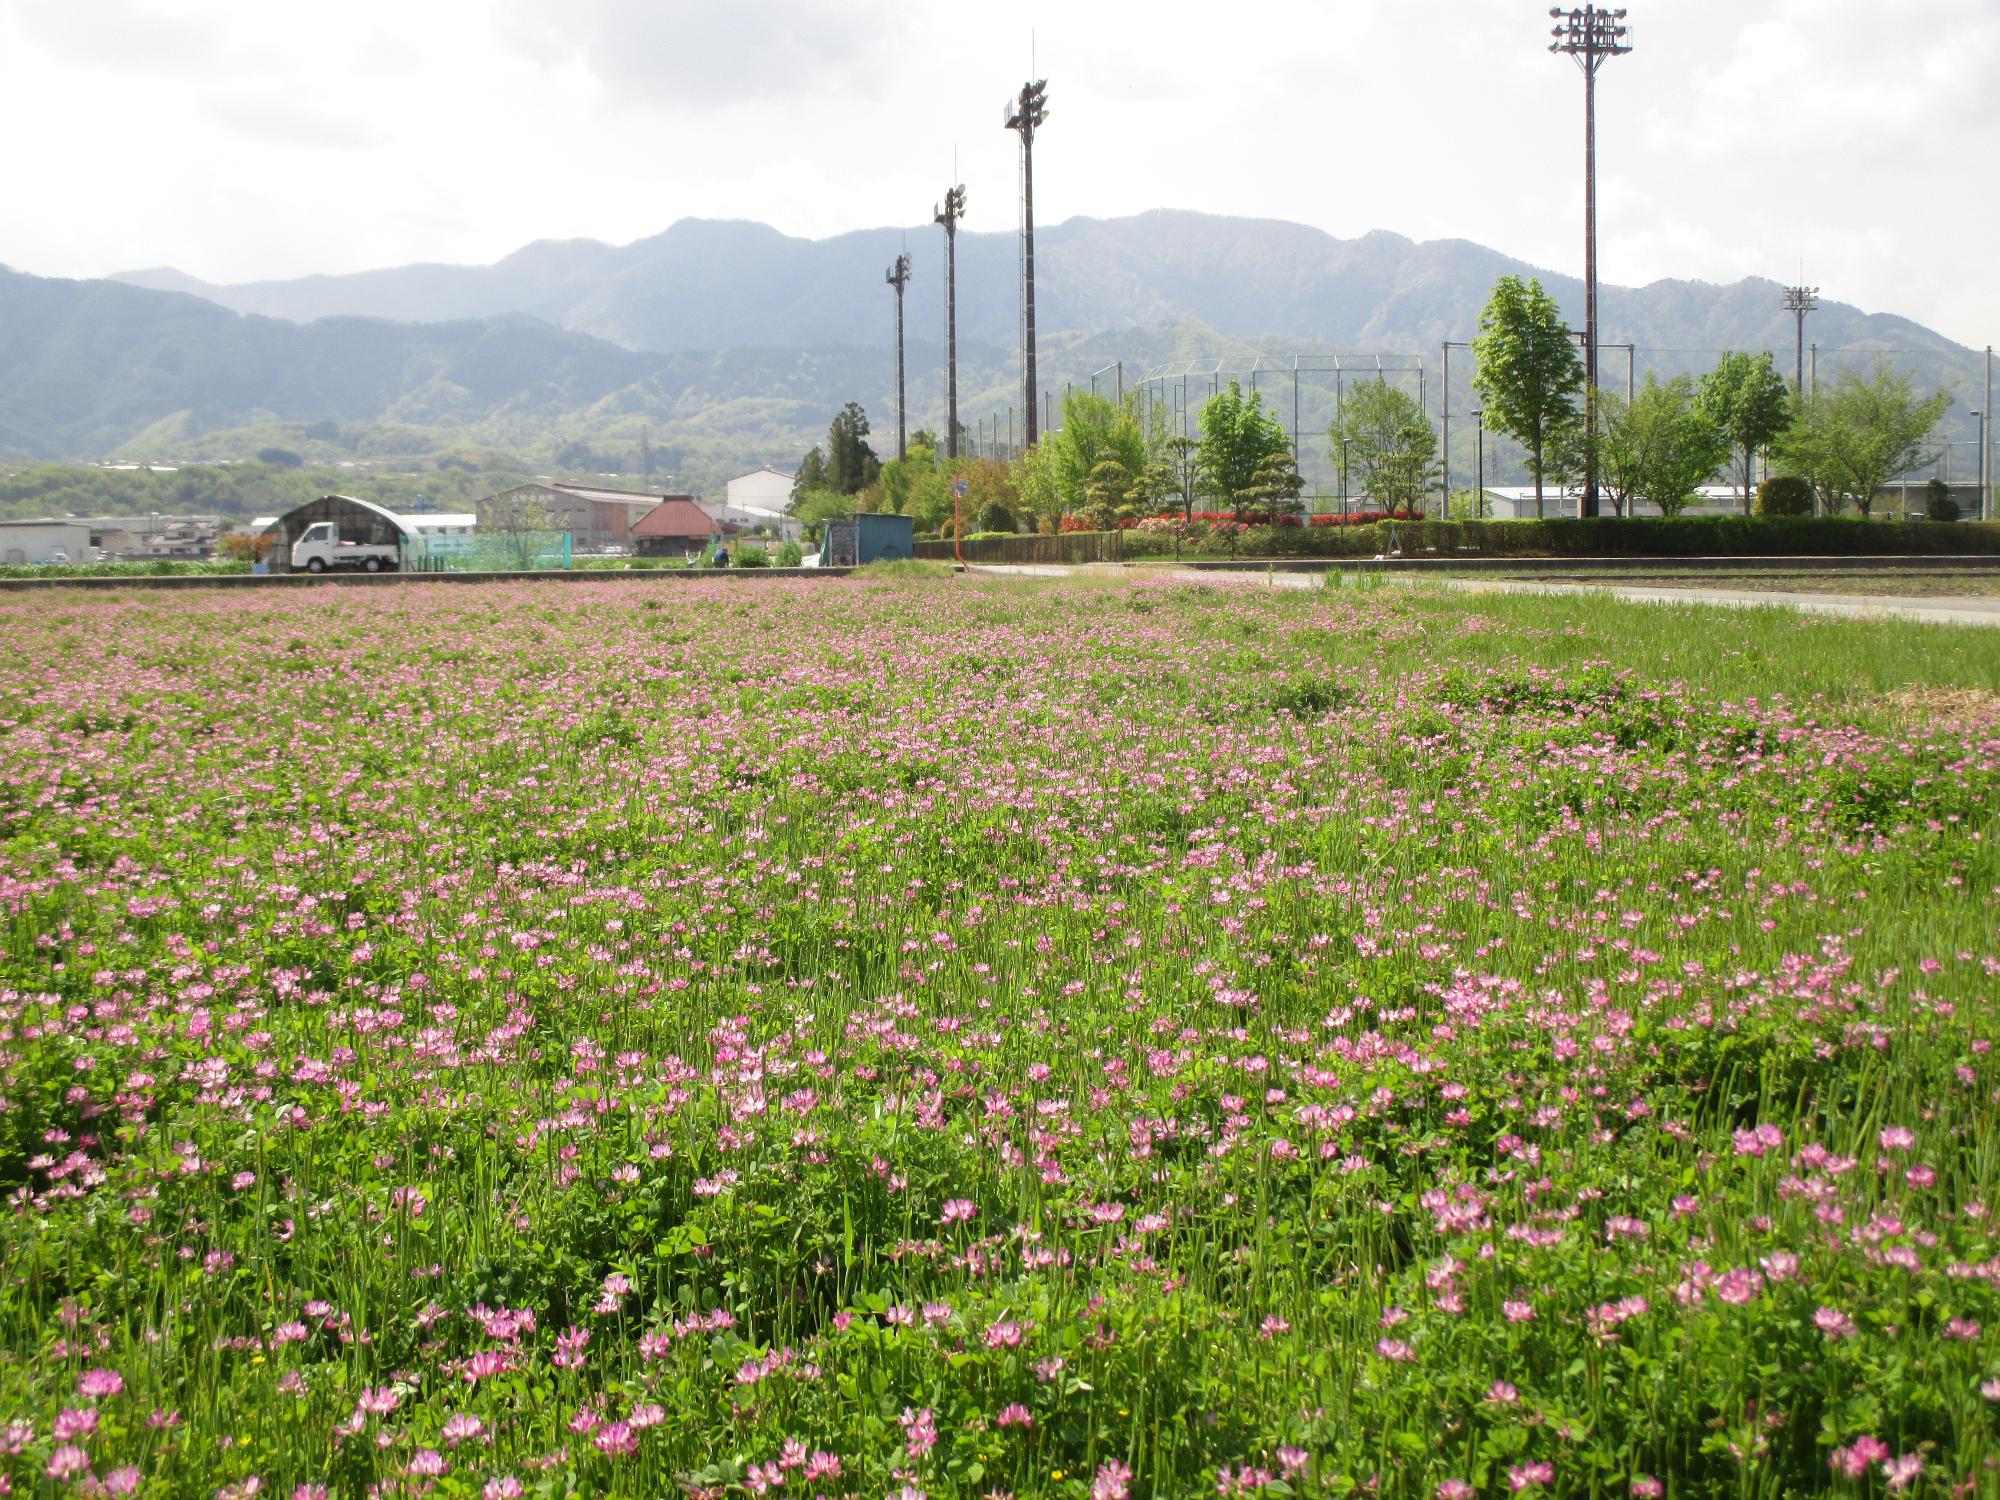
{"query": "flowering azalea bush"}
[(937, 1038)]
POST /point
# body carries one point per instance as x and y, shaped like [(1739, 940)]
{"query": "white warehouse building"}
[(53, 540), (758, 500)]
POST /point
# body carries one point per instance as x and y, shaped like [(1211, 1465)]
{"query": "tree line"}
[(1111, 463), (1837, 446)]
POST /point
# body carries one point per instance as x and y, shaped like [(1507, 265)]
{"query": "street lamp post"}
[(1590, 35)]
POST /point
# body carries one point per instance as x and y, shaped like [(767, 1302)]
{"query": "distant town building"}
[(48, 540), (757, 501), (115, 538), (595, 518), (762, 489), (141, 538)]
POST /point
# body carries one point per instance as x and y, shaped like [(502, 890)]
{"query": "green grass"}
[(1062, 1038)]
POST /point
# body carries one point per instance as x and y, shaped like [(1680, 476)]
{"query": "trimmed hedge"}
[(1607, 536), (1617, 536)]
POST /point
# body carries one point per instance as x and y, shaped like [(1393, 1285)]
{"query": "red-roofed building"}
[(676, 527)]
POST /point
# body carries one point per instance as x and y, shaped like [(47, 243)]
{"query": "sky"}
[(1852, 142)]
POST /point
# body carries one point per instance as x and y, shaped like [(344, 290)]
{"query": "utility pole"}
[(1979, 464), (1590, 35), (1800, 300), (949, 215), (1026, 114), (1479, 495), (1986, 448)]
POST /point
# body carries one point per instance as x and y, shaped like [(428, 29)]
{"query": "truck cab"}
[(320, 549)]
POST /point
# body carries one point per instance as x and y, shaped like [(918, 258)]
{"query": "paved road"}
[(1941, 609)]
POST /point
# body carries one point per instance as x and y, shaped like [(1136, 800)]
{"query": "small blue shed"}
[(854, 540)]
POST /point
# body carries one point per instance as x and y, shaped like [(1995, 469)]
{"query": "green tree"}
[(1183, 456), (811, 476), (1784, 495), (1938, 503), (1660, 448), (851, 465), (1529, 371), (1853, 438), (1035, 483), (1237, 436), (901, 477), (1390, 444), (1158, 482), (1107, 491), (989, 487), (1093, 429), (1747, 398), (1276, 486), (815, 508)]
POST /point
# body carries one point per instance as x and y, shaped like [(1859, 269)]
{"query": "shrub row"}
[(1611, 536), (1608, 536)]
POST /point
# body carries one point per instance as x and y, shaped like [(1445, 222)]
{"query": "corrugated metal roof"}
[(592, 492)]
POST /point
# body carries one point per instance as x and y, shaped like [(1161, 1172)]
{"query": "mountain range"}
[(730, 344)]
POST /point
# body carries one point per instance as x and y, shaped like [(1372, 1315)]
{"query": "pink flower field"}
[(931, 1038)]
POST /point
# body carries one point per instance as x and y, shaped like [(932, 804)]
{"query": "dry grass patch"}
[(1958, 709)]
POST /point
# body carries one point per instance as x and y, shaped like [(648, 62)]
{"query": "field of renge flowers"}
[(931, 1037)]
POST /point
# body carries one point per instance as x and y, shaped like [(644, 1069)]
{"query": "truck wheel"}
[(373, 565), (315, 565)]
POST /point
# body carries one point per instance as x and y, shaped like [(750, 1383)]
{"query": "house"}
[(140, 538), (676, 527), (595, 518)]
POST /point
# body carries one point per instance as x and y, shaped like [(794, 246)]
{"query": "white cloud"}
[(240, 139)]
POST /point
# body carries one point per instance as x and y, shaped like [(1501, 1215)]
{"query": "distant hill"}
[(710, 284), (728, 344)]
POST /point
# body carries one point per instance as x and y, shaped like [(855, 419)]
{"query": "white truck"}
[(321, 550)]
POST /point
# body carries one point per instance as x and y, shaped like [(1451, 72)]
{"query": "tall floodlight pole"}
[(1026, 114), (1590, 35), (1800, 300), (898, 276), (949, 215)]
